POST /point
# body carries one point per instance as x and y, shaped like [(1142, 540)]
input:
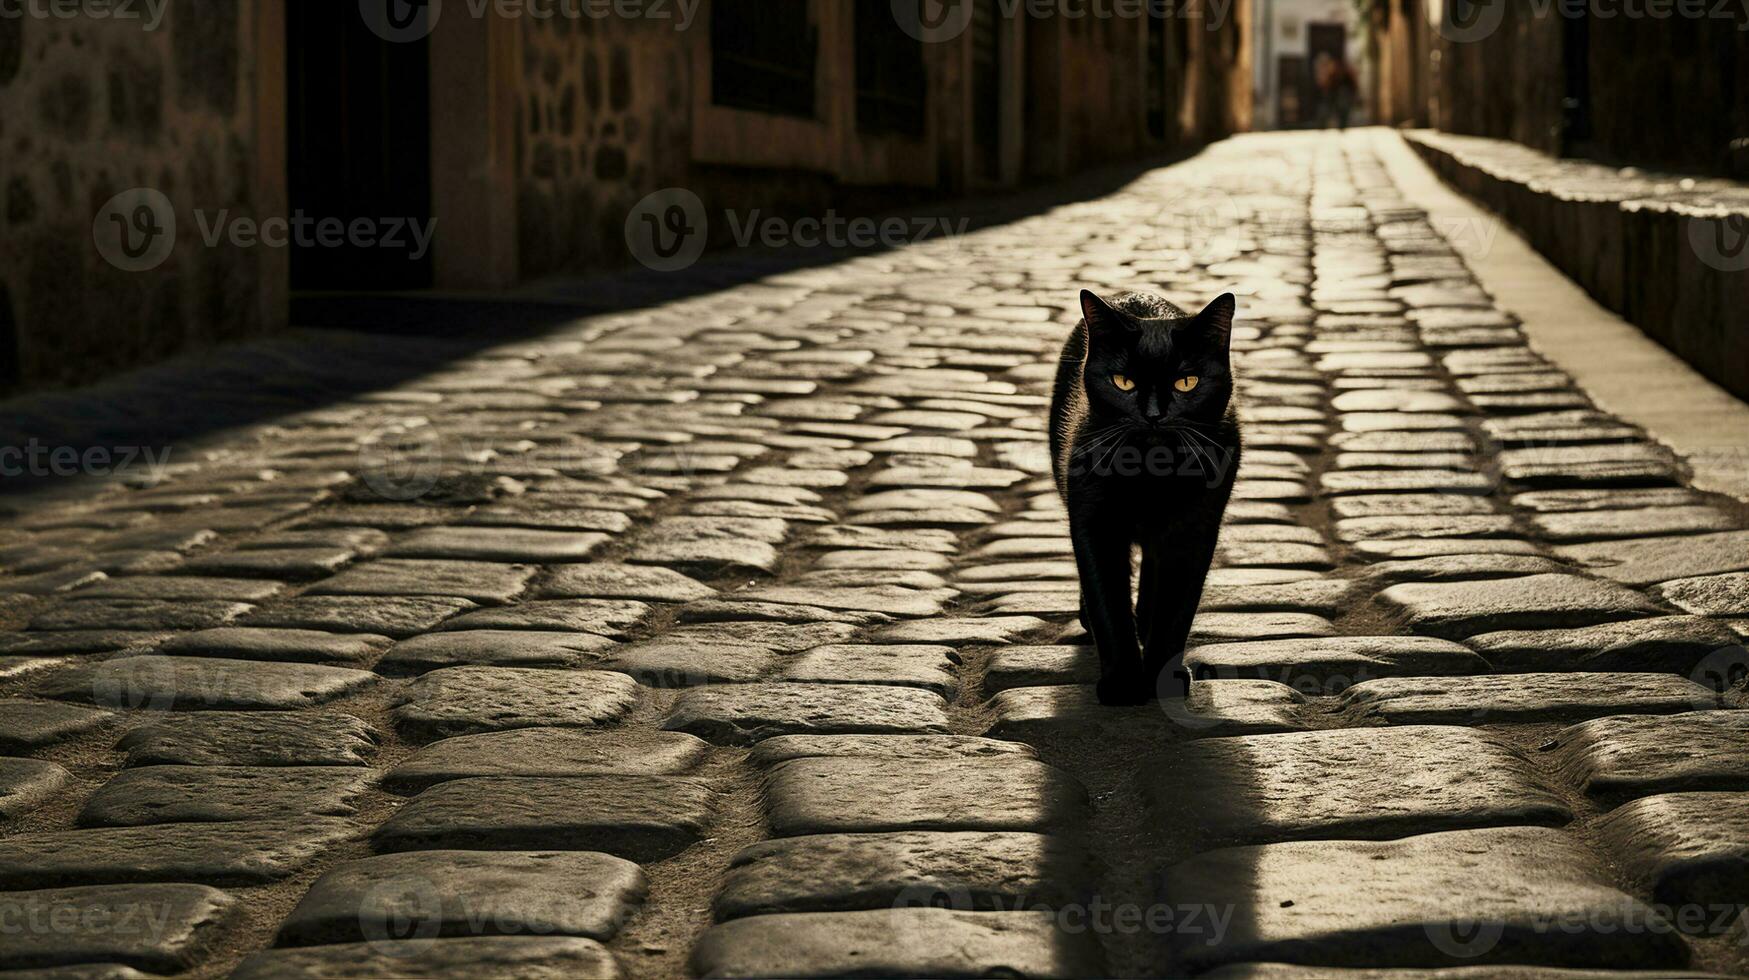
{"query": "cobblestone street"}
[(735, 636)]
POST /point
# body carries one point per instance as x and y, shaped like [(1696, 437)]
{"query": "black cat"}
[(1144, 447)]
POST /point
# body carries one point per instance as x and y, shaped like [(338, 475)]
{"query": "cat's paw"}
[(1124, 690)]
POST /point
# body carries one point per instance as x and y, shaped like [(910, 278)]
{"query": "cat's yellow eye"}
[(1123, 383), (1187, 383)]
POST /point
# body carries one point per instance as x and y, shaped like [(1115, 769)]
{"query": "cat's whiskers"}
[(1116, 444), (1101, 439)]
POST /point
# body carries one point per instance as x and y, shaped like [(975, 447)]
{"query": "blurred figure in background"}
[(1336, 89)]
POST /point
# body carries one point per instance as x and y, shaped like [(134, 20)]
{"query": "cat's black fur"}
[(1152, 467)]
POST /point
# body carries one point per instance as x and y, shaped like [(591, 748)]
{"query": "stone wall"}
[(90, 108), (602, 121), (1667, 91)]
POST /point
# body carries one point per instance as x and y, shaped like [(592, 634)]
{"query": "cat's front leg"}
[(1102, 556), (1180, 567)]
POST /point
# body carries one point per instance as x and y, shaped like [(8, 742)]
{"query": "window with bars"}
[(764, 55), (890, 83)]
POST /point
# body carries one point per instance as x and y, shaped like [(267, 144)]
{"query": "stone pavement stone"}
[(138, 614), (300, 646), (1458, 609), (465, 700), (1648, 561), (161, 928), (1493, 971), (548, 752), (824, 795), (186, 588), (1412, 902), (478, 581), (896, 942), (988, 871), (396, 616), (610, 581), (1596, 525), (204, 684), (906, 665), (742, 714), (1349, 784), (1214, 708), (243, 852), (1708, 595), (1620, 757), (1692, 850), (427, 894), (497, 544), (1513, 698), (28, 724), (493, 648), (203, 794), (471, 958), (1336, 661), (641, 818), (251, 738), (604, 617), (785, 747), (26, 784), (1673, 644)]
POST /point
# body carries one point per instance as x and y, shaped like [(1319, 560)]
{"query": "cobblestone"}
[(735, 635)]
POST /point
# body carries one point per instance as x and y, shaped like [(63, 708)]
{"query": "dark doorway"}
[(358, 111), (1155, 97), (890, 83), (1576, 89), (764, 56), (987, 90), (1042, 129)]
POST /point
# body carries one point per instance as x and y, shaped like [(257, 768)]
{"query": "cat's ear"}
[(1216, 320), (1102, 320)]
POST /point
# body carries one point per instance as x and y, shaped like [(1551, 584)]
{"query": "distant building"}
[(527, 136), (1289, 37)]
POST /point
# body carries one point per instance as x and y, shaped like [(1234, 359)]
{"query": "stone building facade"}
[(1662, 84), (521, 134)]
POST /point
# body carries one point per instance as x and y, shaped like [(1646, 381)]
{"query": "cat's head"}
[(1158, 372)]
